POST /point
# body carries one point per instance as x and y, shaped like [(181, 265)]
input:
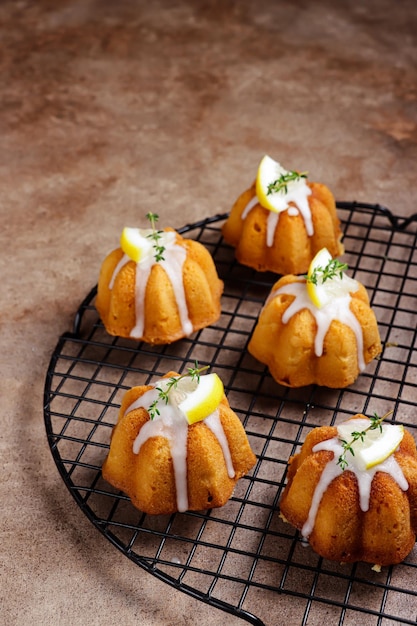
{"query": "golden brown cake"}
[(303, 344), (284, 241), (159, 300), (347, 512), (165, 464)]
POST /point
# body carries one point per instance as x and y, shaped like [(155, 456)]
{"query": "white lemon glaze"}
[(297, 194), (364, 477), (174, 258), (172, 424), (337, 309)]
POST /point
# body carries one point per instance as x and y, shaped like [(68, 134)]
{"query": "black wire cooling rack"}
[(243, 558)]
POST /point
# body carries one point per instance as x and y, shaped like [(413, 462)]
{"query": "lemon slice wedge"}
[(271, 172), (383, 446), (135, 244), (323, 290), (317, 291), (376, 446), (204, 400)]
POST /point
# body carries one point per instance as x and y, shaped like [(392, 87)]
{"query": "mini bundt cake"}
[(282, 221), (177, 445), (159, 288), (323, 333), (349, 509)]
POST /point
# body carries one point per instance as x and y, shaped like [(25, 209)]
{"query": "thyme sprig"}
[(172, 383), (155, 235), (281, 183), (376, 423), (331, 270)]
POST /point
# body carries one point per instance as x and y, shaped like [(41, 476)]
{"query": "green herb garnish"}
[(331, 270), (281, 183), (155, 235), (163, 394), (376, 423)]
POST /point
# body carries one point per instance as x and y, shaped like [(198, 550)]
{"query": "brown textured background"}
[(109, 110)]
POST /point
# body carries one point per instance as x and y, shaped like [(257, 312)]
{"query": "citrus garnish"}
[(135, 243), (325, 279), (194, 395), (369, 445), (204, 400), (273, 183), (383, 446)]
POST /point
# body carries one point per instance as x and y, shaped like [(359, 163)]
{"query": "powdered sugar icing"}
[(294, 201), (364, 477), (172, 424), (337, 309), (174, 258)]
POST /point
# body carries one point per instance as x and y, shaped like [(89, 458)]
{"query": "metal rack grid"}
[(243, 555)]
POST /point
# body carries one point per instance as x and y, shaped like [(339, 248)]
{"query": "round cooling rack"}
[(243, 558)]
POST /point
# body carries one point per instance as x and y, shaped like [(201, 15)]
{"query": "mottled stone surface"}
[(110, 110)]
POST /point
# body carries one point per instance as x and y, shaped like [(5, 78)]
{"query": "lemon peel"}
[(317, 295), (382, 447), (273, 183), (204, 400), (134, 243), (376, 446), (323, 290)]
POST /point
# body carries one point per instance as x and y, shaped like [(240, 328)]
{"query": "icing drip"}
[(174, 258), (252, 202), (271, 226), (143, 271), (173, 264), (125, 259), (300, 198), (297, 193), (271, 223), (364, 479), (215, 425), (173, 426), (175, 431), (337, 309)]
